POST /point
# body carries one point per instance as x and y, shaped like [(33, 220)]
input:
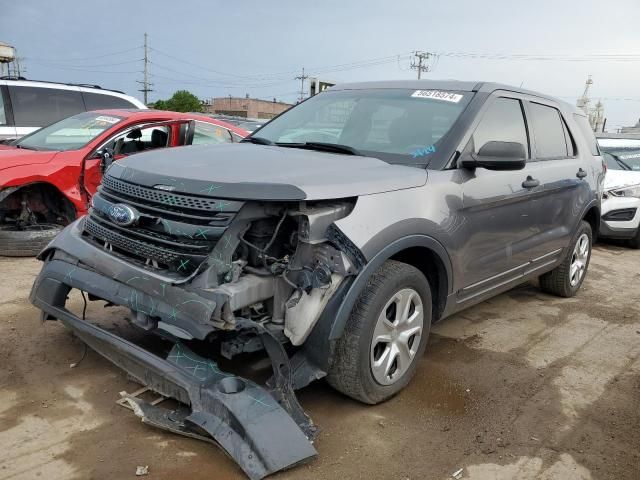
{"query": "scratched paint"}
[(208, 190)]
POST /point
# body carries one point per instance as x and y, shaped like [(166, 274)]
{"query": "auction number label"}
[(438, 95)]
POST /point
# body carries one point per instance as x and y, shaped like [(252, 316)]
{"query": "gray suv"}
[(330, 240)]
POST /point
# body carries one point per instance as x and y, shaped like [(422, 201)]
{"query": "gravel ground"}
[(523, 386)]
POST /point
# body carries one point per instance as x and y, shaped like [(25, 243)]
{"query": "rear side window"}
[(3, 114), (100, 101), (587, 133), (548, 131), (502, 122), (37, 107)]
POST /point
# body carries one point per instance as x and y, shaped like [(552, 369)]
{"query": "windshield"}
[(69, 134), (624, 152), (396, 125)]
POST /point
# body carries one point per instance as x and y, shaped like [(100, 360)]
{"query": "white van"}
[(27, 105)]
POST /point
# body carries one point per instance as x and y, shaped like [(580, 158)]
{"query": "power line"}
[(618, 57), (50, 64), (93, 57)]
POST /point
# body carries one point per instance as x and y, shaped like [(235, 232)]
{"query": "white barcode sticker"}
[(107, 119), (438, 95)]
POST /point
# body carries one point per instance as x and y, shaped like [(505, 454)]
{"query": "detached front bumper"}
[(263, 429)]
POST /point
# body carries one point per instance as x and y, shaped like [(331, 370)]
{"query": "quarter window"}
[(587, 133), (548, 131), (37, 107), (502, 122), (3, 115)]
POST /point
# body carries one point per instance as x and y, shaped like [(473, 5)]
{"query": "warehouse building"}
[(245, 107)]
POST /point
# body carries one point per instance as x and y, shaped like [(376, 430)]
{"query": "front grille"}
[(161, 197), (174, 232)]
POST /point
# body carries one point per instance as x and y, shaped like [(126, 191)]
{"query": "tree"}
[(181, 101)]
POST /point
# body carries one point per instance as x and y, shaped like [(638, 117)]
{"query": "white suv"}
[(27, 105)]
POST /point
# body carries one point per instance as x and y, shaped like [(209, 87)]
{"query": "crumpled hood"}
[(14, 157), (620, 178), (263, 172)]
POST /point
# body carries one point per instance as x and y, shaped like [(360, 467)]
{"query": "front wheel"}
[(635, 241), (385, 335), (565, 280)]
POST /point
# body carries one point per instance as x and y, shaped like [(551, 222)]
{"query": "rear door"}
[(499, 209), (560, 171)]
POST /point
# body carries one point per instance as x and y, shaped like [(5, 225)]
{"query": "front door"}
[(499, 208), (129, 141)]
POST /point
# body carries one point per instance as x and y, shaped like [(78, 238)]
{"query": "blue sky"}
[(216, 48)]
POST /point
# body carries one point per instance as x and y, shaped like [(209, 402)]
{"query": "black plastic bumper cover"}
[(263, 430)]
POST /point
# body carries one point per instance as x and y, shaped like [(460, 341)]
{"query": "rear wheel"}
[(26, 242), (385, 336), (565, 280)]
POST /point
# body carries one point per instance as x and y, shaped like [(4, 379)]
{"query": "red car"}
[(47, 178)]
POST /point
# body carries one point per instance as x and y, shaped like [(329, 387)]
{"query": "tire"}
[(28, 242), (559, 281), (352, 369), (635, 241)]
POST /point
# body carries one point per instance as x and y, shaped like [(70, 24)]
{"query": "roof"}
[(82, 87), (463, 86)]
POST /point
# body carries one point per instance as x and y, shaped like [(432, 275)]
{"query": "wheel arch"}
[(592, 217), (49, 194), (421, 251)]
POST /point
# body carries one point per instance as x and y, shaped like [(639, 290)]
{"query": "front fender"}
[(64, 178)]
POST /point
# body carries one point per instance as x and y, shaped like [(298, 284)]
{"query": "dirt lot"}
[(523, 386)]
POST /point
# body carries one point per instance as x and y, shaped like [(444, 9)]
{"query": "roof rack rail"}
[(84, 85)]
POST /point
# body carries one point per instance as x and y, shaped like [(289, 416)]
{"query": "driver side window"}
[(139, 140), (503, 121)]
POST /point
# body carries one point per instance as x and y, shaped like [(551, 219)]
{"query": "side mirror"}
[(497, 156), (106, 159)]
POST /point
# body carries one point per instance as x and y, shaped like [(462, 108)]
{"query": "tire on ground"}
[(350, 371), (25, 243), (635, 241), (558, 280)]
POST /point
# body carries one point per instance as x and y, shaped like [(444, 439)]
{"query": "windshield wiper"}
[(256, 140), (621, 162), (17, 145), (323, 147)]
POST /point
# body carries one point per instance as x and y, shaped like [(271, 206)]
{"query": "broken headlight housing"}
[(630, 191)]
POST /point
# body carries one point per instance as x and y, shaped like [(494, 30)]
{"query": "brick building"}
[(245, 107)]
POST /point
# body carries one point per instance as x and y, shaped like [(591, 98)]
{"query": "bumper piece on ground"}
[(263, 429)]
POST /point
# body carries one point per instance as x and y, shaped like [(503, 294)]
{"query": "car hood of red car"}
[(15, 157)]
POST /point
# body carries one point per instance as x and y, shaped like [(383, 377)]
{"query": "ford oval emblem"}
[(123, 215)]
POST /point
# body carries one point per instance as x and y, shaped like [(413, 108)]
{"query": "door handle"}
[(530, 182), (581, 173)]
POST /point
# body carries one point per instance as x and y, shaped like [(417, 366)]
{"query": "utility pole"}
[(420, 63), (145, 83), (302, 78)]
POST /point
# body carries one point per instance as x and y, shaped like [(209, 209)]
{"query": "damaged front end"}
[(247, 275)]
